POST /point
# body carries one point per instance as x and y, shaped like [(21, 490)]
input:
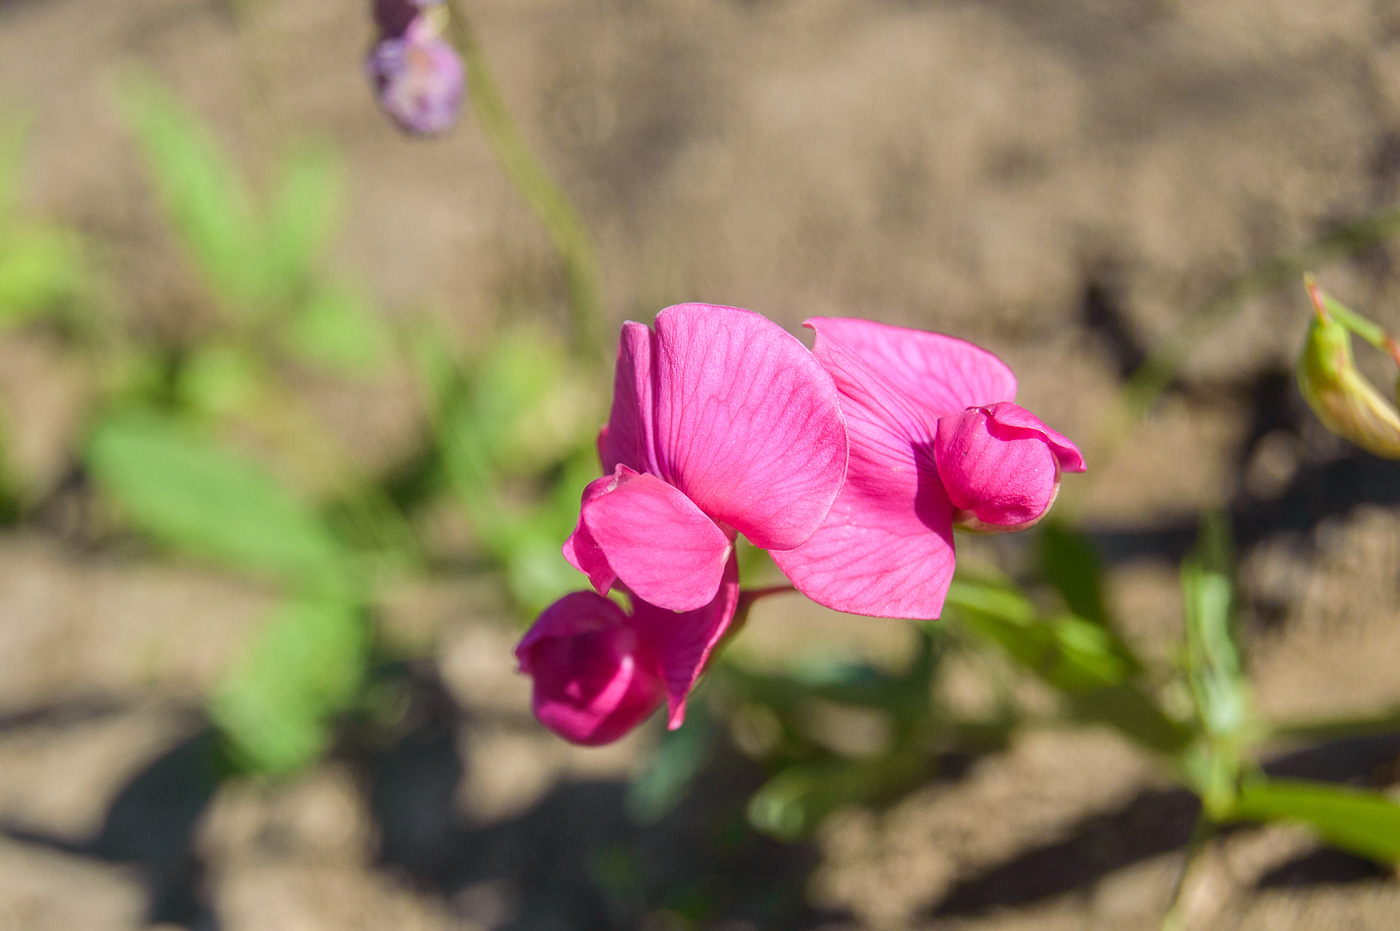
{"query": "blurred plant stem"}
[(550, 204), (1201, 833), (1163, 363)]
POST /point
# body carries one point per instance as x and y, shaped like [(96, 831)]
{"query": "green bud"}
[(1345, 402)]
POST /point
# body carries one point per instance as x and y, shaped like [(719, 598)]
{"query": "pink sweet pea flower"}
[(934, 440), (722, 423), (598, 673)]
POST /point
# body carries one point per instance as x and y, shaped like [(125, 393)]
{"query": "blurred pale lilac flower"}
[(416, 74)]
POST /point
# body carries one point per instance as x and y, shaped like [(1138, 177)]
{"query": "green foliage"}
[(276, 710), (1214, 668), (210, 206), (205, 499), (1070, 563), (337, 329), (672, 769), (508, 431), (1367, 823)]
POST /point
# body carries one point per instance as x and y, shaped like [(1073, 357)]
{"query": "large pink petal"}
[(747, 423), (682, 643), (627, 438), (658, 542), (886, 548), (582, 551), (594, 677), (908, 377)]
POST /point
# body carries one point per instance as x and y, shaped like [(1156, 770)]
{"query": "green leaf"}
[(1070, 563), (673, 767), (1214, 668), (1086, 662), (210, 501), (1363, 822), (795, 801), (305, 211), (39, 266), (337, 328), (205, 198), (306, 666), (219, 379)]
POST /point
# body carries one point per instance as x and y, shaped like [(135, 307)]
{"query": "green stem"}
[(1201, 832), (1324, 729), (549, 203)]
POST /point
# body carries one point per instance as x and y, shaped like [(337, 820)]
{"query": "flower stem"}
[(548, 201)]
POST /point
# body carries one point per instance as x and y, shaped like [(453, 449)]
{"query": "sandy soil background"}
[(1060, 180)]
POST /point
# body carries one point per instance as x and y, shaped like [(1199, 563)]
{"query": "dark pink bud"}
[(418, 79), (1001, 466), (594, 678)]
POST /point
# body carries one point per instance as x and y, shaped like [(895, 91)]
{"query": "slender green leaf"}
[(1363, 822), (306, 666), (305, 211), (39, 266), (210, 501), (1214, 668), (1069, 562), (337, 328), (206, 199), (673, 767)]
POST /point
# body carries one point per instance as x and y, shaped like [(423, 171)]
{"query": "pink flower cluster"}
[(851, 464)]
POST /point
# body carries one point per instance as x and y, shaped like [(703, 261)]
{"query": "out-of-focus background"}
[(1061, 181)]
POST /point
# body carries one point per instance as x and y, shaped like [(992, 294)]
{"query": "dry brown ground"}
[(1008, 170)]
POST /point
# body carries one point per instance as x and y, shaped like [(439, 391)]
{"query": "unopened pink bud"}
[(1001, 466), (594, 679)]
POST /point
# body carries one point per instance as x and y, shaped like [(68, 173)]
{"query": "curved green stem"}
[(549, 203)]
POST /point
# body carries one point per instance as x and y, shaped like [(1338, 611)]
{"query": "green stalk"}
[(549, 203)]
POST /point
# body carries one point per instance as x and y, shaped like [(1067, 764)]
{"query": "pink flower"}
[(598, 673), (721, 423), (934, 441)]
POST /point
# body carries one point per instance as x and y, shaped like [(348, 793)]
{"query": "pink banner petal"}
[(627, 438), (909, 377), (683, 643), (659, 543), (747, 423)]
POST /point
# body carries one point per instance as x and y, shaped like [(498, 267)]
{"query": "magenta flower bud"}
[(1001, 466), (594, 678), (418, 79)]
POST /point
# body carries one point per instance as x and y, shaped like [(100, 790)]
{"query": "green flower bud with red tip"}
[(1346, 403)]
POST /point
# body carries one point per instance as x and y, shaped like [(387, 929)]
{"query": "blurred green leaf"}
[(673, 767), (1089, 664), (1363, 822), (210, 501), (206, 199), (305, 211), (219, 379), (305, 667), (337, 328), (1213, 666), (795, 801), (39, 266), (1070, 563)]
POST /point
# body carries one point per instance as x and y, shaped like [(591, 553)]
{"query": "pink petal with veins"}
[(627, 437), (659, 543), (747, 423), (683, 643)]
